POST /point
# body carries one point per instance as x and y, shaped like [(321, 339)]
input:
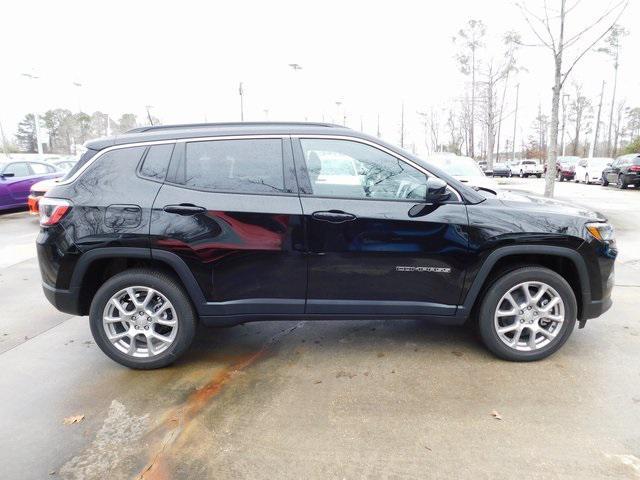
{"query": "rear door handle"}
[(333, 216), (184, 209)]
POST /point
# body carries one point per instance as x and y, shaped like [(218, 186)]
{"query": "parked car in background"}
[(65, 165), (590, 170), (463, 169), (501, 170), (485, 167), (565, 168), (527, 168), (16, 178), (624, 171)]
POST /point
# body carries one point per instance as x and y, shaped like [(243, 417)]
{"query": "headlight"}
[(600, 231)]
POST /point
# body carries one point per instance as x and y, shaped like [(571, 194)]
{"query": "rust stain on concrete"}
[(177, 420)]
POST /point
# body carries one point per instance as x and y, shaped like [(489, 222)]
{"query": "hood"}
[(44, 185), (478, 181), (524, 201)]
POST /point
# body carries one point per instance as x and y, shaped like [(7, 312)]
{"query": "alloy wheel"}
[(529, 316), (140, 321)]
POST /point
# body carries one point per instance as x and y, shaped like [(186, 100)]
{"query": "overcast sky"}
[(186, 59)]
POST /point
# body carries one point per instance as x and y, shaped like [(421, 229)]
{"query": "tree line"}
[(67, 129)]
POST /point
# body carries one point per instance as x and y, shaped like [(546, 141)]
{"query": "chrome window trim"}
[(97, 156), (382, 148)]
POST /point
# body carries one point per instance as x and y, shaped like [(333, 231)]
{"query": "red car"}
[(566, 168)]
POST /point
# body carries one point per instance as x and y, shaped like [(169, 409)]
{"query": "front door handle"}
[(333, 216), (184, 209)]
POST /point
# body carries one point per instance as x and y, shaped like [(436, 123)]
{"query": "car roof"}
[(195, 130)]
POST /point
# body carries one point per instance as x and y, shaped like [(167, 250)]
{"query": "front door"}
[(366, 254), (230, 211)]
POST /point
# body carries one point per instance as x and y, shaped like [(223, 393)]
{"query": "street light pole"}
[(79, 86), (296, 68), (515, 121), (147, 107), (36, 117), (241, 92)]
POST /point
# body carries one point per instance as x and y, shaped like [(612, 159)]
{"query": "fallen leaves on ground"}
[(496, 415), (73, 419)]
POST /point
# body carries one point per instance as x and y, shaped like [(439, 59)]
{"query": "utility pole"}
[(338, 103), (378, 130), (147, 107), (241, 92), (594, 147), (79, 86), (361, 129), (564, 120), (515, 121), (36, 117), (402, 127)]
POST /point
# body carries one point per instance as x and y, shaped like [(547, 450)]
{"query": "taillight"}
[(52, 210), (634, 168)]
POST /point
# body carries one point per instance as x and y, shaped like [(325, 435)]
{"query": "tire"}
[(539, 175), (559, 177), (605, 182), (493, 299), (182, 314), (586, 179), (621, 183), (509, 174), (521, 174)]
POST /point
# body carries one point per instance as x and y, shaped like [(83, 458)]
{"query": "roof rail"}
[(155, 128)]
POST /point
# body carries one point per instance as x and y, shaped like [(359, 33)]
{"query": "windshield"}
[(458, 166), (568, 160)]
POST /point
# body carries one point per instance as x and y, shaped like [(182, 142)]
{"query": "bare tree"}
[(578, 109), (619, 131), (561, 46), (612, 49), (470, 40)]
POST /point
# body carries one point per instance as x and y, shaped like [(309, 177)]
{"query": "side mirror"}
[(6, 175), (436, 193)]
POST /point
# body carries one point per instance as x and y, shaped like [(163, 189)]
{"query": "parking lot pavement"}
[(372, 399)]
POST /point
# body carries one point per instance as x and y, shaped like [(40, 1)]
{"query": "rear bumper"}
[(67, 301)]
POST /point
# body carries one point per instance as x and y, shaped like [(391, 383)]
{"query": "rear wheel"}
[(605, 182), (586, 179), (621, 183), (142, 319), (559, 177), (527, 314), (539, 175)]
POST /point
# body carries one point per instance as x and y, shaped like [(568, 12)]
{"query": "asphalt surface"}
[(361, 399)]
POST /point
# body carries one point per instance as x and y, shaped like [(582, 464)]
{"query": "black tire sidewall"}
[(500, 287), (170, 289)]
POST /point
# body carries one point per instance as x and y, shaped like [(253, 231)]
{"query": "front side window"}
[(19, 169), (237, 166), (343, 168)]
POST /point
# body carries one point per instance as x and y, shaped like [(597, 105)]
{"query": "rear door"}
[(230, 211), (366, 254)]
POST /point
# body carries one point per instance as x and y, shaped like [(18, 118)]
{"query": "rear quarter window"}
[(156, 162)]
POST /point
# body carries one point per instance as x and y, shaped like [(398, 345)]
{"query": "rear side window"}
[(238, 166), (156, 162), (41, 168)]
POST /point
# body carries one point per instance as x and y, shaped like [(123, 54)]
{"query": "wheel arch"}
[(565, 261), (96, 266)]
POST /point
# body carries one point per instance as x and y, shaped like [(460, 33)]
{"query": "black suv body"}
[(623, 171), (162, 227)]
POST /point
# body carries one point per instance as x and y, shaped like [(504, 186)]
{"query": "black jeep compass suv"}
[(163, 227)]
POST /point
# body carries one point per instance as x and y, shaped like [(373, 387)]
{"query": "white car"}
[(463, 169), (590, 169), (526, 168)]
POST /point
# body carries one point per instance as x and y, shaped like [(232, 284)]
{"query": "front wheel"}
[(539, 175), (586, 179), (527, 314), (142, 319), (605, 182)]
